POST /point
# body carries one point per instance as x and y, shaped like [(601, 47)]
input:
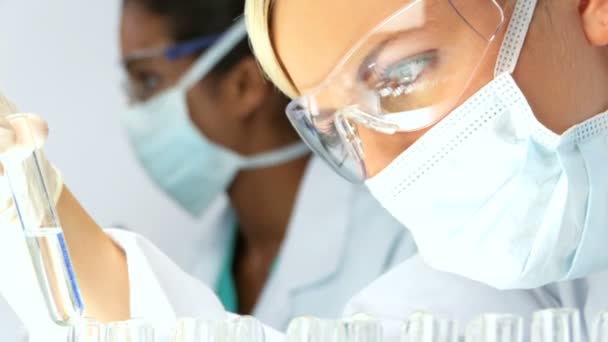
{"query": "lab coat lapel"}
[(314, 244)]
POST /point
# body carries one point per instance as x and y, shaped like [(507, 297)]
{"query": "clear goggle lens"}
[(405, 75)]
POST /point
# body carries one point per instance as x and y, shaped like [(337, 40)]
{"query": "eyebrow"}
[(131, 60), (130, 66)]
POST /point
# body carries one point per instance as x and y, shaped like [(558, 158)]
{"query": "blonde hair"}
[(257, 18)]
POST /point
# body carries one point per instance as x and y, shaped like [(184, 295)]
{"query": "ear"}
[(245, 87), (594, 14)]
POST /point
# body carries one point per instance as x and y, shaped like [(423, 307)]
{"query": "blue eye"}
[(398, 78)]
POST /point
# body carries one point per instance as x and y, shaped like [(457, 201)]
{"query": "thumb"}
[(8, 138), (30, 131), (20, 134)]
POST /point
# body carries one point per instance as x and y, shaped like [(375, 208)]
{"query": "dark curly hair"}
[(190, 19)]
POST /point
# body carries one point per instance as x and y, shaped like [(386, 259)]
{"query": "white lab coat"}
[(160, 292), (392, 297), (338, 240), (411, 286)]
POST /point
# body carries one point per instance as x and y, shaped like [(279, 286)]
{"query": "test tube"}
[(556, 325), (600, 328), (133, 330), (42, 229), (242, 329), (360, 329), (312, 329), (86, 330), (193, 330), (495, 328), (248, 329), (424, 327)]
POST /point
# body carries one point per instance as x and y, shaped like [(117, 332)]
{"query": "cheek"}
[(203, 111), (381, 149), (208, 112)]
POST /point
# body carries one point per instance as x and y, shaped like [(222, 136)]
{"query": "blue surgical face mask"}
[(179, 158)]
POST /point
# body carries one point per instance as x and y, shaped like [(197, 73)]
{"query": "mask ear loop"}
[(208, 60), (515, 37)]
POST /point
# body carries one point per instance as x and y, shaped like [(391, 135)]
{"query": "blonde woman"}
[(479, 124), (213, 136)]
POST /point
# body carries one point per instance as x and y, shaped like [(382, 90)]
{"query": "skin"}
[(103, 276), (239, 110), (563, 69)]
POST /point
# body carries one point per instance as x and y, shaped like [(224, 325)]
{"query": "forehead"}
[(311, 36), (141, 29)]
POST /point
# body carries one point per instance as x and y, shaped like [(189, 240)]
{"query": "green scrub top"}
[(226, 286)]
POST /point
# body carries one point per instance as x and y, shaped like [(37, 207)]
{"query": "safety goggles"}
[(176, 51), (139, 90), (405, 75), (216, 48)]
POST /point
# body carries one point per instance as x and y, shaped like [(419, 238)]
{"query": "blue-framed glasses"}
[(175, 51), (145, 86)]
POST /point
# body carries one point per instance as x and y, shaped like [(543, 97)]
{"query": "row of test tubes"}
[(553, 325), (239, 329)]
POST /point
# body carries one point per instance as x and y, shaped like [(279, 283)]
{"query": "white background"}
[(60, 59)]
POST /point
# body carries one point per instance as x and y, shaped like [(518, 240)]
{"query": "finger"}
[(31, 131), (8, 138), (6, 106)]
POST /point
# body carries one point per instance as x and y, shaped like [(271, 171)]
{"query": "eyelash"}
[(394, 81), (149, 80)]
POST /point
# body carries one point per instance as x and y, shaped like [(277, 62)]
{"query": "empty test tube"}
[(313, 329), (556, 325), (600, 328), (86, 330), (424, 327), (133, 330), (495, 328)]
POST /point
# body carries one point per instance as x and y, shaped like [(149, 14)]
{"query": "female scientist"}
[(475, 123), (511, 198), (205, 125)]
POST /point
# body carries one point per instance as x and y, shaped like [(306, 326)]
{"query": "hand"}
[(103, 276)]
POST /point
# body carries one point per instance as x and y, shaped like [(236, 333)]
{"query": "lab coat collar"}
[(314, 245)]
